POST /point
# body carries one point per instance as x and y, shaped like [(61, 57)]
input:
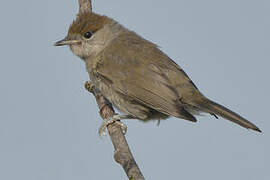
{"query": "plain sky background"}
[(49, 123)]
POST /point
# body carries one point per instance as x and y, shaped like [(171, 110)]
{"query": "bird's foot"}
[(115, 119)]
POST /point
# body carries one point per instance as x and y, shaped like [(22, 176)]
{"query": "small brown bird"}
[(135, 75)]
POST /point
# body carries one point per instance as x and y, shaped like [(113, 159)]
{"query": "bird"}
[(138, 79)]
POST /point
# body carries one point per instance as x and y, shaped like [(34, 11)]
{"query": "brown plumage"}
[(136, 76), (85, 22)]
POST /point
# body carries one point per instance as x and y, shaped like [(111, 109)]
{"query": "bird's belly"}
[(127, 105)]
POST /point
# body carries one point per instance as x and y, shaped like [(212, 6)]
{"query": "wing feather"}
[(141, 76)]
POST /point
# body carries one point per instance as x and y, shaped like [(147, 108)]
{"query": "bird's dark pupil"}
[(87, 35)]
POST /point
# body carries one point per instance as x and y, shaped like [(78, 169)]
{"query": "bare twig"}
[(85, 6), (122, 153)]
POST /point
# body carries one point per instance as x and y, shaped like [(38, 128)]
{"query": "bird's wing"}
[(136, 71)]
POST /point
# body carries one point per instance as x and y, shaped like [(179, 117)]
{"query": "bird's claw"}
[(109, 121)]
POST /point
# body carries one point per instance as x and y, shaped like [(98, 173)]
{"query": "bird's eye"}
[(88, 35)]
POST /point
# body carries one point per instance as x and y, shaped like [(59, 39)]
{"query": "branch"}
[(85, 6), (122, 153)]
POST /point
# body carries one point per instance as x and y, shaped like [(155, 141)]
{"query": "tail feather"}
[(215, 108)]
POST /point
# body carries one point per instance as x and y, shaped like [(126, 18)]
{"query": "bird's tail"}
[(217, 109)]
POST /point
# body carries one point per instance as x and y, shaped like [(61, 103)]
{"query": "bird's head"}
[(84, 34)]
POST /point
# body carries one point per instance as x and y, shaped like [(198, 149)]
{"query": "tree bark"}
[(85, 6), (122, 153)]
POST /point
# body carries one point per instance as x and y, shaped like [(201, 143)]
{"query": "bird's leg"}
[(122, 117), (115, 119), (105, 103)]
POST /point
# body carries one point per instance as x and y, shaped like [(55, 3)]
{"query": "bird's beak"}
[(66, 41)]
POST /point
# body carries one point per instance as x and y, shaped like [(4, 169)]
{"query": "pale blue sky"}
[(49, 123)]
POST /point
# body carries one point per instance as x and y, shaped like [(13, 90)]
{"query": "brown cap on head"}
[(87, 22)]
